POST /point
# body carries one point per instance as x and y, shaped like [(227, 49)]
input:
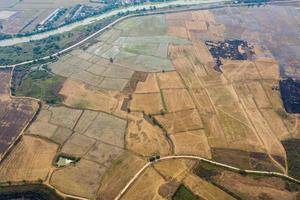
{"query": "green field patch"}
[(41, 84), (183, 193)]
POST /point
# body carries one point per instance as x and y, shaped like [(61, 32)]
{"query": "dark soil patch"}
[(292, 148), (28, 192), (183, 193), (244, 159), (229, 49), (135, 79), (290, 94)]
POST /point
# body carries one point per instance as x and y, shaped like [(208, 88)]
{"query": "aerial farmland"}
[(178, 105)]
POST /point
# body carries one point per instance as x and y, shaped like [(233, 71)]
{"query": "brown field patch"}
[(107, 129), (177, 100), (149, 103), (146, 139), (175, 169), (191, 143), (64, 116), (82, 179), (255, 188), (272, 93), (31, 159), (268, 69), (177, 31), (103, 154), (180, 121), (202, 101), (146, 187), (116, 177), (203, 15), (41, 125), (236, 70), (276, 124), (196, 25), (149, 86), (259, 95), (79, 95), (169, 80), (178, 16), (264, 132), (78, 145), (205, 189)]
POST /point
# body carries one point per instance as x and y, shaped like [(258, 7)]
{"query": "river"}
[(90, 20)]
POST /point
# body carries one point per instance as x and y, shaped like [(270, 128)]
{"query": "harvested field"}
[(205, 189), (148, 103), (41, 125), (177, 100), (169, 80), (146, 187), (195, 26), (255, 188), (180, 121), (236, 70), (276, 124), (30, 160), (191, 143), (146, 139), (64, 116), (77, 145), (259, 95), (149, 86), (81, 179), (268, 69), (79, 95), (15, 113), (115, 175), (202, 101), (108, 129), (175, 169), (103, 154)]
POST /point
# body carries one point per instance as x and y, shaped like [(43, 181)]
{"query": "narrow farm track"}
[(229, 167)]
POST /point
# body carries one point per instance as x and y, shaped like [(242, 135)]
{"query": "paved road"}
[(124, 190)]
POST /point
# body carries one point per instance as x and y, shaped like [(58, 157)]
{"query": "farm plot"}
[(169, 80), (115, 175), (137, 45), (205, 189), (97, 72), (146, 187), (180, 121), (255, 188), (146, 139), (191, 143), (31, 159), (177, 100), (15, 113), (108, 129), (54, 123), (80, 95), (148, 103), (82, 179)]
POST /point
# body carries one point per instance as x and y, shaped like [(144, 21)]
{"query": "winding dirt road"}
[(135, 177)]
